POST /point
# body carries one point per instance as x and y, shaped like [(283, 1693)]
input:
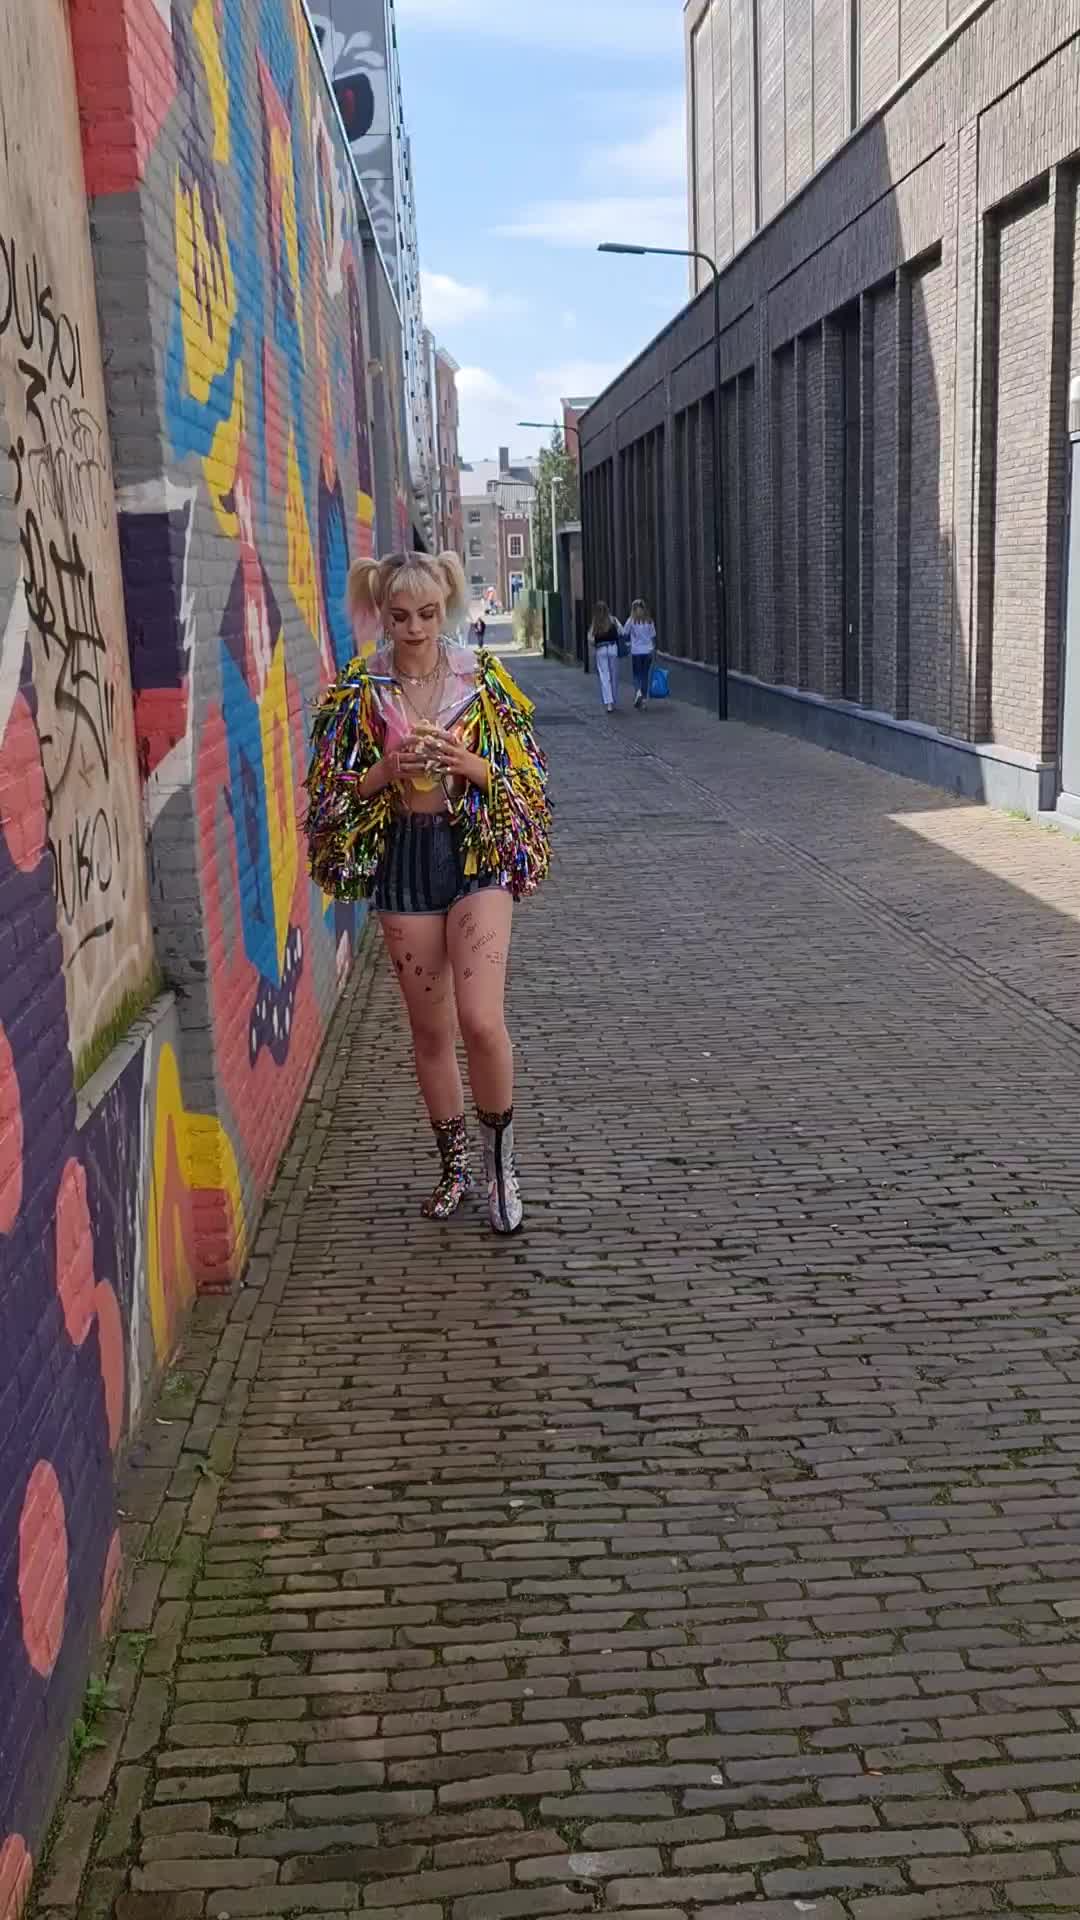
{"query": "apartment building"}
[(889, 189)]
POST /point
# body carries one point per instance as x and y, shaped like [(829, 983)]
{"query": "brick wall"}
[(964, 361), (248, 483), (171, 600), (75, 941)]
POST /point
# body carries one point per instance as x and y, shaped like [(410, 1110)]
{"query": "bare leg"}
[(416, 944), (478, 944), (478, 937)]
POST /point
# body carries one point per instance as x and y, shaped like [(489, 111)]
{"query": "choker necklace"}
[(422, 679)]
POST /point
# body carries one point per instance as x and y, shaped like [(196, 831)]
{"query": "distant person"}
[(478, 630), (605, 634), (640, 630)]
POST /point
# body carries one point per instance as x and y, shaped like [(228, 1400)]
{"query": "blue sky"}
[(539, 128)]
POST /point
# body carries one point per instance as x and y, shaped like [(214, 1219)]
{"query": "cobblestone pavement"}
[(713, 1550)]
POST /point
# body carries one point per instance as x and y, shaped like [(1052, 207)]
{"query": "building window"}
[(476, 548), (477, 579), (474, 516), (515, 546)]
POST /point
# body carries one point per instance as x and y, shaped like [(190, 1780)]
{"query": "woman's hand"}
[(445, 755), (402, 764)]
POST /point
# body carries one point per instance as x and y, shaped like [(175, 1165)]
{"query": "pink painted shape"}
[(22, 788), (74, 1253), (16, 1870), (43, 1569), (111, 1345), (11, 1138)]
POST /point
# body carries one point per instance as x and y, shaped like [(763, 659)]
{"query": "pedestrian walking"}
[(478, 630), (428, 795), (606, 636), (640, 630)]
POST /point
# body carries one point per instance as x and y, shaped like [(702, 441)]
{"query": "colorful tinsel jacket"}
[(506, 831)]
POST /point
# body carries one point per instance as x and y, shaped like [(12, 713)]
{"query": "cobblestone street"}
[(713, 1549)]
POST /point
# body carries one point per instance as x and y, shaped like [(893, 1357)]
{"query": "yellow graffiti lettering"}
[(204, 25), (301, 553), (222, 462), (192, 1154), (207, 291), (281, 166)]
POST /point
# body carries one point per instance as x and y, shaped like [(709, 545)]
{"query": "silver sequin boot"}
[(456, 1181), (505, 1209)]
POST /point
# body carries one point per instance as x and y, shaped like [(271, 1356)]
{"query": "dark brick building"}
[(890, 187)]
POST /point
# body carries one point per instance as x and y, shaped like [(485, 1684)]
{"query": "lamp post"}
[(694, 253)]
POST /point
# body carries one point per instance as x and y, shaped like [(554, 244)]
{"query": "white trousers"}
[(607, 668)]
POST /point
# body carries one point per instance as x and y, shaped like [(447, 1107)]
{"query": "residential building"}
[(482, 562), (498, 498), (516, 501), (893, 189), (448, 453), (359, 44)]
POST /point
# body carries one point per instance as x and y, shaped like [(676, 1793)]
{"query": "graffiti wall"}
[(238, 528), (61, 602), (182, 495)]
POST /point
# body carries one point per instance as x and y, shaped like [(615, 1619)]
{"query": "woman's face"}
[(414, 616)]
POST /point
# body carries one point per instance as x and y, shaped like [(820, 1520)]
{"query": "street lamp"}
[(694, 253)]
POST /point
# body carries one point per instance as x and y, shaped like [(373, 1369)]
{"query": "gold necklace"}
[(423, 679), (415, 708)]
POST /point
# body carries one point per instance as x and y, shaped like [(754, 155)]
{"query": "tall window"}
[(515, 546)]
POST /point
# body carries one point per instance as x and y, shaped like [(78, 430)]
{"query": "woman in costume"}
[(428, 795)]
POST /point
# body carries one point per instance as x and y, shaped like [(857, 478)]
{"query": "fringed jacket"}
[(505, 830)]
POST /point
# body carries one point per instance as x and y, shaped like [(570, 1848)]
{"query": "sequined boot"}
[(505, 1209), (453, 1144)]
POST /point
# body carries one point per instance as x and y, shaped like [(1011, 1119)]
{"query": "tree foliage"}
[(558, 465)]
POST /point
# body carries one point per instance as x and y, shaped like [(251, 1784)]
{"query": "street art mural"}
[(352, 35), (61, 601), (171, 601)]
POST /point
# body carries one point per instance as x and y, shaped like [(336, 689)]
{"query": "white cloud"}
[(652, 220), (635, 28), (452, 303), (491, 409), (573, 380), (652, 152)]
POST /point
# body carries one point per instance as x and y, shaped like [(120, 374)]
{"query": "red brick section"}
[(714, 1549)]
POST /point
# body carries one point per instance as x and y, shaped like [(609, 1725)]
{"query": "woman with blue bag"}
[(640, 631)]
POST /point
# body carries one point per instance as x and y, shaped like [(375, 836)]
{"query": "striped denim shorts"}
[(422, 870)]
